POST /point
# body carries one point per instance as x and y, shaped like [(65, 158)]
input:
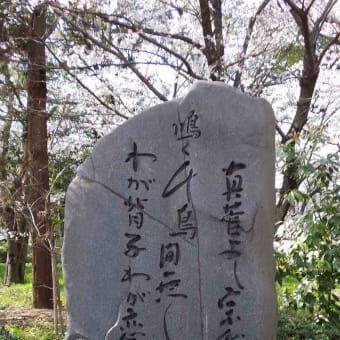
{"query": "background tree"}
[(314, 47), (36, 120), (12, 157), (13, 217), (25, 181)]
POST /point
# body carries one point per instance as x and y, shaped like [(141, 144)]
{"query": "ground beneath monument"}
[(25, 316)]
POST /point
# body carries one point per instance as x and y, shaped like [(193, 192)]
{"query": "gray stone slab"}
[(169, 224)]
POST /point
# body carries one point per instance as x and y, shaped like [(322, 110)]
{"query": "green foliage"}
[(312, 257), (39, 330), (293, 54), (298, 326), (5, 334), (287, 56), (295, 196), (3, 251)]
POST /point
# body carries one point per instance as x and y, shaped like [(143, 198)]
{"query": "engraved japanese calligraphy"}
[(169, 224)]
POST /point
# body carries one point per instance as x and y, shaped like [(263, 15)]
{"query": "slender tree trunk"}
[(16, 260), (12, 265), (213, 36), (37, 140), (250, 30), (17, 242), (15, 223)]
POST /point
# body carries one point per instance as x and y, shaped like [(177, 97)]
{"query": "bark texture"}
[(211, 21), (17, 242), (37, 142)]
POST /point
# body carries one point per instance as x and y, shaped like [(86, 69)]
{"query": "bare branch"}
[(65, 68), (310, 6), (129, 25), (320, 21), (294, 8), (334, 41), (281, 133), (115, 52), (172, 52), (251, 24)]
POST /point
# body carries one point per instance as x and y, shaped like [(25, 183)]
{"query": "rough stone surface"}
[(169, 224)]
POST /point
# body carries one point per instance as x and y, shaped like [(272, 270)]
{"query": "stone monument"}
[(169, 224)]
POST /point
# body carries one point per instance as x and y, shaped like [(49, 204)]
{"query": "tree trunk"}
[(310, 73), (16, 260), (14, 223), (37, 141), (213, 36), (17, 241)]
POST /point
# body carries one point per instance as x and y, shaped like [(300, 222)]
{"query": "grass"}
[(20, 295), (16, 294), (38, 331)]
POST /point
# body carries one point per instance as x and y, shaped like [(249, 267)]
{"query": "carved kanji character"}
[(230, 292), (134, 155), (137, 219), (233, 167), (132, 298), (170, 253), (171, 187), (187, 128), (132, 249), (232, 253), (135, 204), (128, 275), (234, 186)]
